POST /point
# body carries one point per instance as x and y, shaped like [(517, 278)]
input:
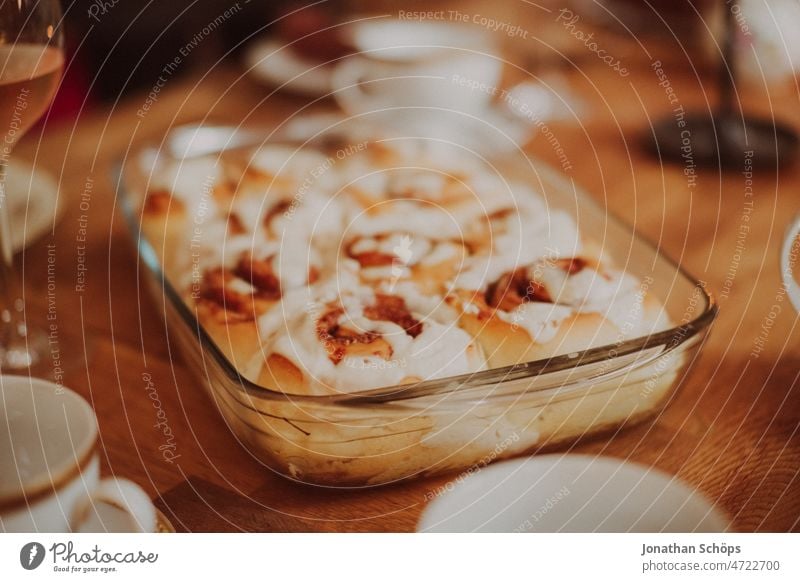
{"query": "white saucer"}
[(34, 203), (277, 64), (493, 133), (570, 493), (104, 517)]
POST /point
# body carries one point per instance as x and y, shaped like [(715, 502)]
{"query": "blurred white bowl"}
[(277, 64)]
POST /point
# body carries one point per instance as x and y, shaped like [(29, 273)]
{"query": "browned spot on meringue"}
[(338, 339), (235, 225), (513, 289), (501, 213), (215, 288), (276, 209), (161, 202), (313, 274), (259, 273), (370, 258), (226, 190), (572, 266), (393, 308), (341, 341)]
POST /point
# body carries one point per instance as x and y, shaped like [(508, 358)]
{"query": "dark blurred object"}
[(312, 31), (72, 95), (728, 136), (672, 31), (673, 18), (124, 46)]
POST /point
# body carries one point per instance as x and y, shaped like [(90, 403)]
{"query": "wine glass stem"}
[(13, 331)]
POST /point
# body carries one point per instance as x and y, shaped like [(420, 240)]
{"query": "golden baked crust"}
[(537, 311)]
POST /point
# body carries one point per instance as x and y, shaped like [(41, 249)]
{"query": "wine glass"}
[(31, 61)]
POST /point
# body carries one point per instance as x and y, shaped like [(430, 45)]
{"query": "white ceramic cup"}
[(428, 66), (790, 260), (570, 493), (49, 463)]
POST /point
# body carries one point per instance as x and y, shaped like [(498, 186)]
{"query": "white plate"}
[(34, 203), (278, 65), (570, 493)]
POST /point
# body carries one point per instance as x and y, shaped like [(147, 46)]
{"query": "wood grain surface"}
[(732, 430)]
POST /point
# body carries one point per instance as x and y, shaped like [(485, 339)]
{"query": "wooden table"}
[(732, 431)]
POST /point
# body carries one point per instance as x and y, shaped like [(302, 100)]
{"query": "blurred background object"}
[(120, 49), (768, 38), (31, 62), (727, 134)]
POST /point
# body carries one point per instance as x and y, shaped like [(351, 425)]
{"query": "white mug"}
[(49, 463), (417, 71), (790, 259)]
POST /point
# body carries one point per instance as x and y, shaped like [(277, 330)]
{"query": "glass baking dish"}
[(384, 435)]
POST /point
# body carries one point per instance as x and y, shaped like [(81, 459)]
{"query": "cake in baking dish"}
[(319, 270)]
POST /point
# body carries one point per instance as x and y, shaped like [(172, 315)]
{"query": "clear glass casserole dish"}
[(383, 435)]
